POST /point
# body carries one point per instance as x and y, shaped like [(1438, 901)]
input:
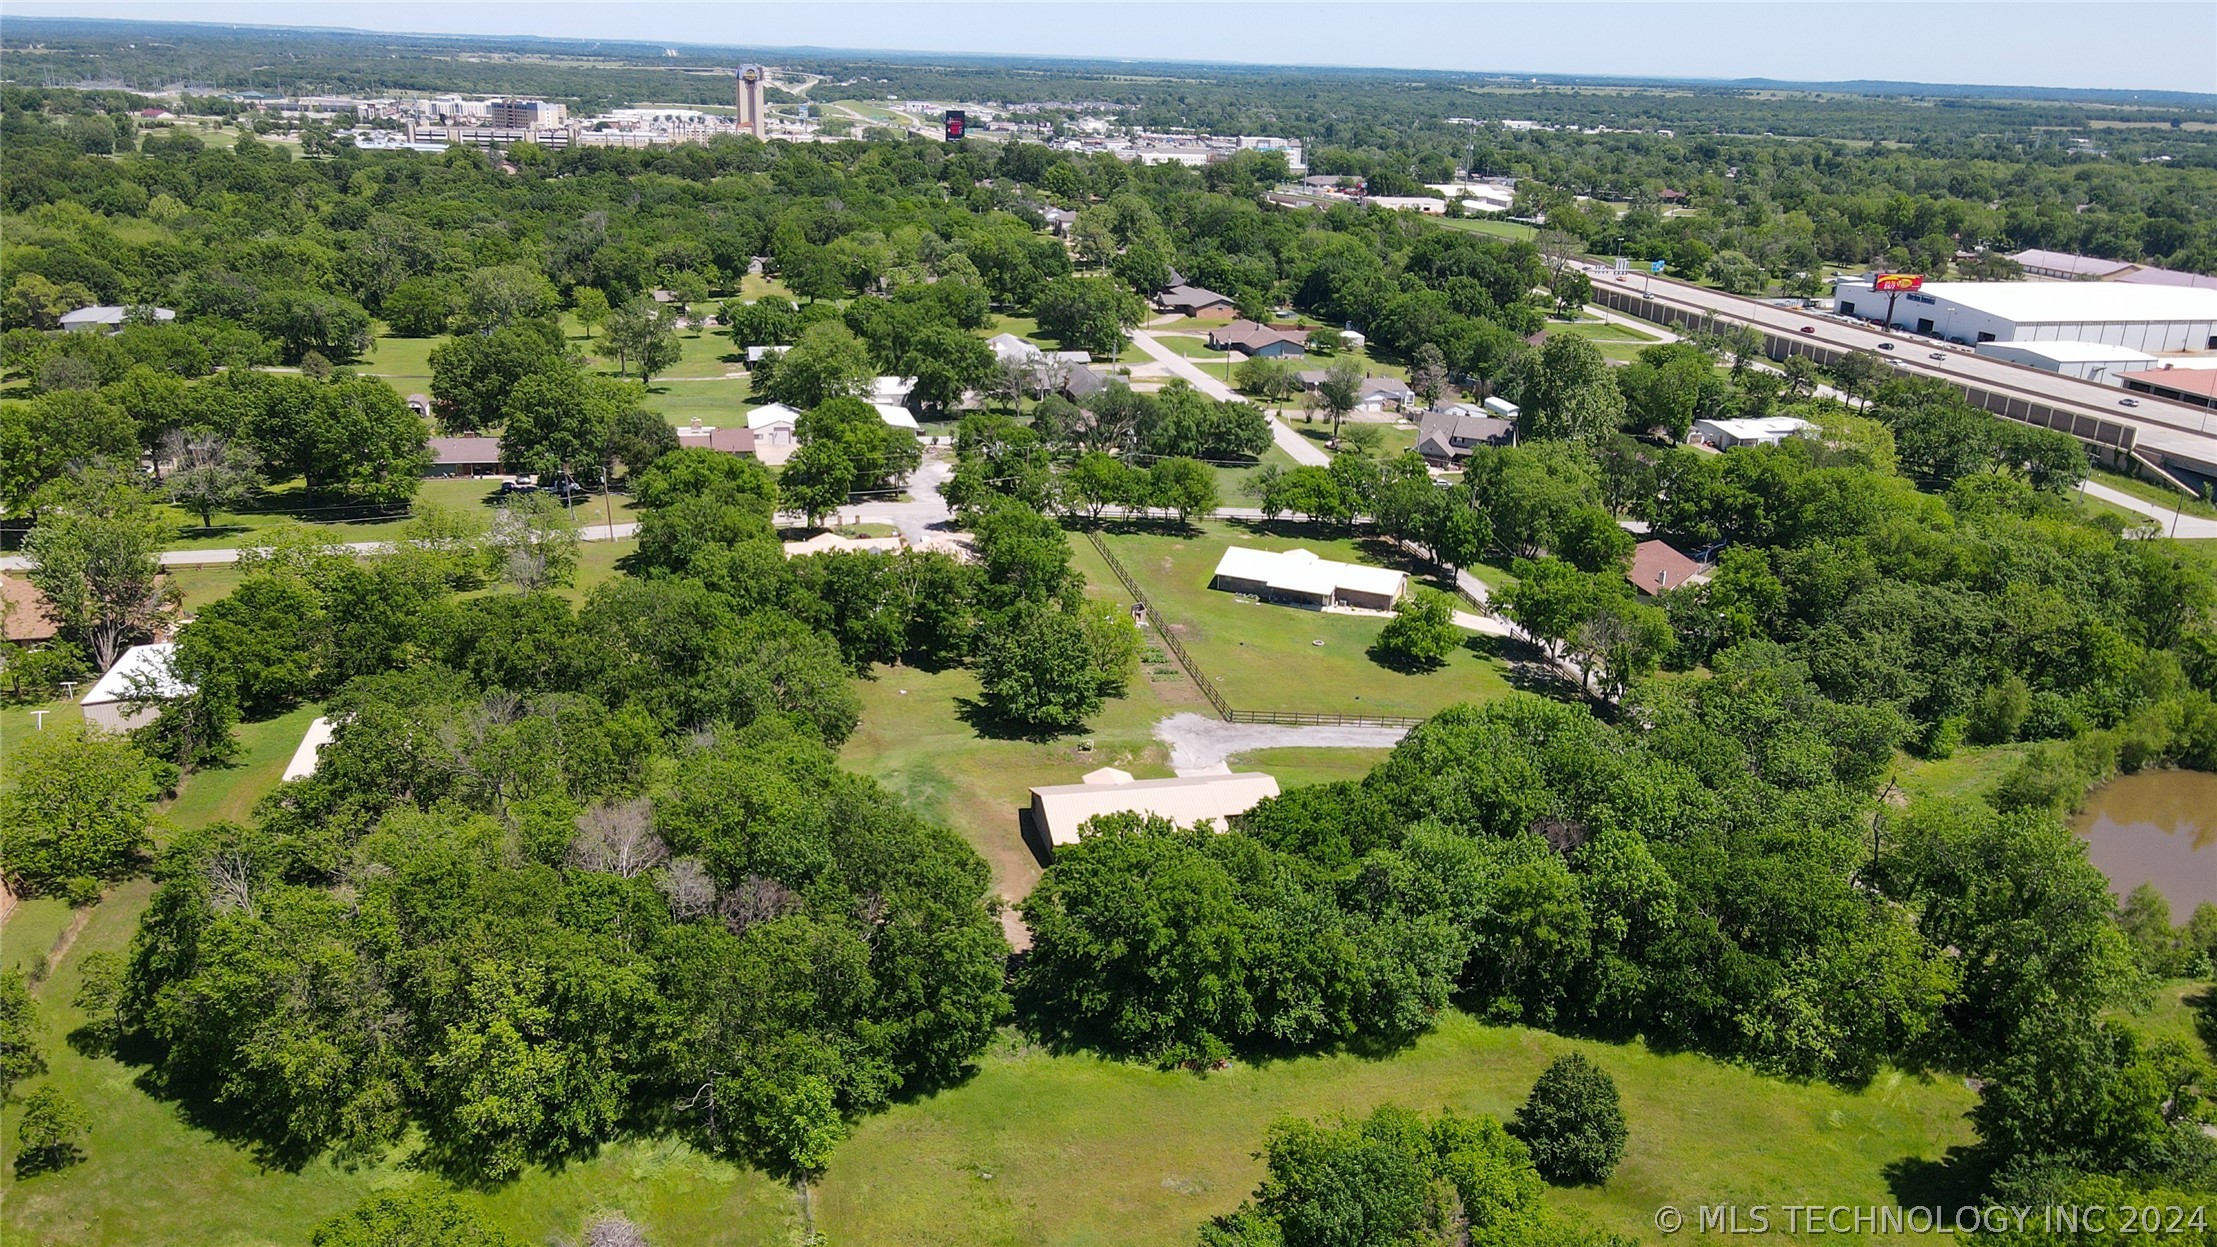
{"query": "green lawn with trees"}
[(680, 879), (1266, 657)]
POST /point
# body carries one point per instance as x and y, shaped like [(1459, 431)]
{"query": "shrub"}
[(1572, 1123)]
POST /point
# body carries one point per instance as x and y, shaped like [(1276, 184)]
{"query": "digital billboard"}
[(956, 121)]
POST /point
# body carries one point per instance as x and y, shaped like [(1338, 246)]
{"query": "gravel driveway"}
[(1199, 744)]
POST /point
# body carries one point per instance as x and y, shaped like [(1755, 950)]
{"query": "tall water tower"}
[(749, 100)]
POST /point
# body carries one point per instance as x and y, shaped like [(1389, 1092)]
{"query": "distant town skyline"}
[(2066, 44)]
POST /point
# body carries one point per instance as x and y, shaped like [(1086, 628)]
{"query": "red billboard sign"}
[(956, 123), (1895, 283)]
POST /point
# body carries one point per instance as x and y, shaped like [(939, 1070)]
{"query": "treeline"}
[(1704, 875), (565, 872)]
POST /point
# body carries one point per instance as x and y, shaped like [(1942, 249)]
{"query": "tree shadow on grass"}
[(993, 725), (2203, 1005), (1959, 1179)]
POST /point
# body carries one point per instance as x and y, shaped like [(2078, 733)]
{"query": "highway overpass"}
[(2178, 440)]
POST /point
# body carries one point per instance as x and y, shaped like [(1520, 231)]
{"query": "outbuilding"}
[(1303, 578), (113, 702), (1059, 810), (2090, 361), (1757, 431)]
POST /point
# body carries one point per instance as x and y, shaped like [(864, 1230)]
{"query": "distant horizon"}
[(2036, 48)]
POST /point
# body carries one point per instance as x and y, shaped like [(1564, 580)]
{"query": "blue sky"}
[(2170, 46)]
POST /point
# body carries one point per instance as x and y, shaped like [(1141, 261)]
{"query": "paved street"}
[(1298, 448)]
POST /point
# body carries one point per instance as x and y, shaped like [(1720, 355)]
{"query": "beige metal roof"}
[(1187, 801)]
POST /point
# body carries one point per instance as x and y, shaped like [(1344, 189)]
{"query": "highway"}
[(2176, 436)]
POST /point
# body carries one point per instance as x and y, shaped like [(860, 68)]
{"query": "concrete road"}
[(1298, 448), (2174, 524), (223, 555), (1199, 745)]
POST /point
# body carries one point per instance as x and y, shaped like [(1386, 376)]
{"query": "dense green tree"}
[(1091, 314), (828, 361), (1422, 632), (80, 805), (1572, 1122), (48, 1133), (1568, 393), (20, 1057), (473, 375)]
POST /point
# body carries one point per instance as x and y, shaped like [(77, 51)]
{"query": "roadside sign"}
[(1656, 267), (1623, 264)]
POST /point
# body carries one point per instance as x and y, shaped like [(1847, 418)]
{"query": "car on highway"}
[(2128, 402), (1885, 346), (1808, 328), (1938, 356)]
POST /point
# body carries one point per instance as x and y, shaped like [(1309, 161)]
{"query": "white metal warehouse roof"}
[(2048, 302), (2068, 352)]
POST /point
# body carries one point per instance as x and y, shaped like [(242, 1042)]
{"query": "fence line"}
[(1313, 718), (1208, 689), (1169, 641)]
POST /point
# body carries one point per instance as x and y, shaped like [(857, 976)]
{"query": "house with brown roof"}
[(26, 617), (729, 441), (1658, 567), (464, 456), (1197, 301), (1446, 438), (1258, 341)]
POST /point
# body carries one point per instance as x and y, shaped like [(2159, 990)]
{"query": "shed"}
[(1304, 578), (1760, 431), (1058, 810), (141, 668)]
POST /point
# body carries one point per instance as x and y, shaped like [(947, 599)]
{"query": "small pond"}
[(2156, 827)]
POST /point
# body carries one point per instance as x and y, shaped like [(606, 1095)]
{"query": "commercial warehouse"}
[(2089, 361), (2146, 318)]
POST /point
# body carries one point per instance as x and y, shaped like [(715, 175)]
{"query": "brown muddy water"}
[(2156, 827)]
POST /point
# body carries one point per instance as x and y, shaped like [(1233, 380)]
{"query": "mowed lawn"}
[(1269, 657), (918, 738), (1074, 1151)]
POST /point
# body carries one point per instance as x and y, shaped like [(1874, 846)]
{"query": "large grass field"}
[(1072, 1150), (1620, 343), (1487, 225), (1268, 657)]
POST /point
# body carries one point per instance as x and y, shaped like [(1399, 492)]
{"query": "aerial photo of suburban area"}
[(1083, 624)]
